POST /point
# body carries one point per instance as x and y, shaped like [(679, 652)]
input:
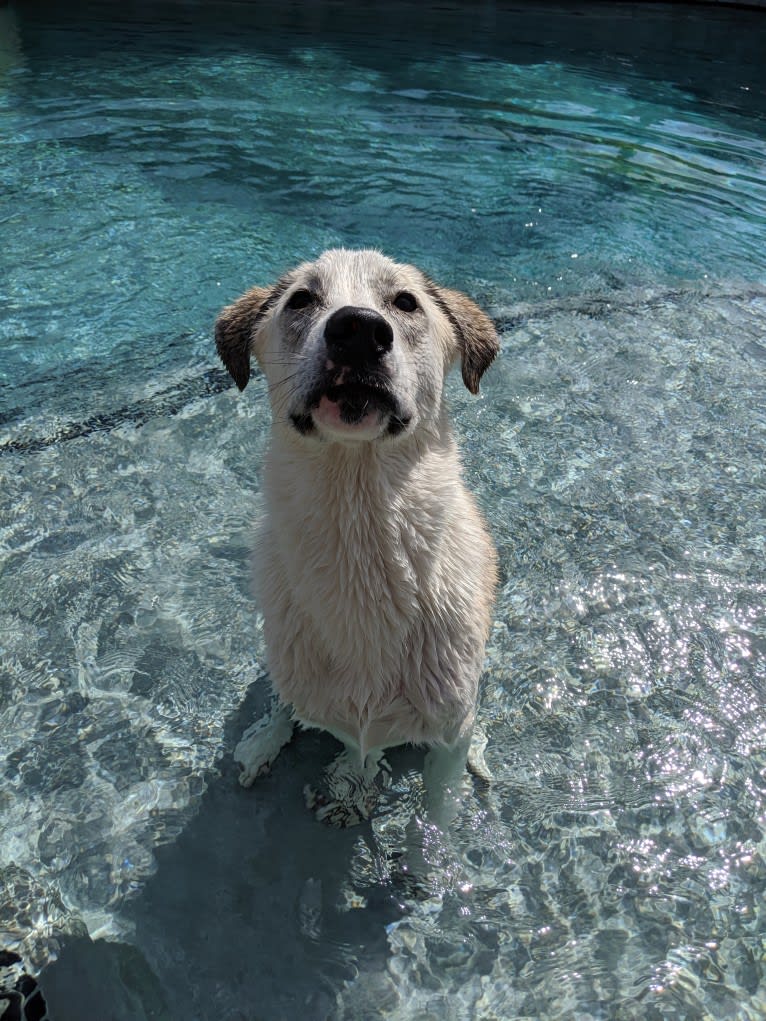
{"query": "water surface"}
[(595, 178)]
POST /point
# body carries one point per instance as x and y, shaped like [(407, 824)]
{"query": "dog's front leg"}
[(444, 778), (262, 742), (444, 774)]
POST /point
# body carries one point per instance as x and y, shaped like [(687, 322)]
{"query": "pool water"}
[(595, 176)]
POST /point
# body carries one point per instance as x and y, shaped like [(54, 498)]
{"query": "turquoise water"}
[(595, 176)]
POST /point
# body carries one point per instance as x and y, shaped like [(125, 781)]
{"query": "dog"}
[(375, 571)]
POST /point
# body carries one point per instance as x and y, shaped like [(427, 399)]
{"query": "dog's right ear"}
[(474, 332), (235, 329)]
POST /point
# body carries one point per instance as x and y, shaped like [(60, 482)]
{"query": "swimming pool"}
[(595, 176)]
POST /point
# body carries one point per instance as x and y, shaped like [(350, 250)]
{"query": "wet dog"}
[(374, 568)]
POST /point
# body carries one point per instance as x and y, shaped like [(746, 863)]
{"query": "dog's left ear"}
[(235, 330), (475, 332)]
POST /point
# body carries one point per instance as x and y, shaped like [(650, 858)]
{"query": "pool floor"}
[(594, 178)]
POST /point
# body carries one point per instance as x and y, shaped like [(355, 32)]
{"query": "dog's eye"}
[(300, 299), (405, 301)]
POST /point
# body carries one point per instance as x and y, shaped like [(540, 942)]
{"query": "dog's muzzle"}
[(355, 382), (356, 397)]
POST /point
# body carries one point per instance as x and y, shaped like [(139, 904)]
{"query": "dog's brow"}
[(389, 281), (433, 291), (311, 281), (274, 295)]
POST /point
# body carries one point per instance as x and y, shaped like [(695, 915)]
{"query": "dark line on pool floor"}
[(167, 402), (599, 306)]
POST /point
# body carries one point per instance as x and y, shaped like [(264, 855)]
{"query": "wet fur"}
[(375, 571)]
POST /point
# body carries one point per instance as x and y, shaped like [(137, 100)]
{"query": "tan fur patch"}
[(476, 335), (234, 329)]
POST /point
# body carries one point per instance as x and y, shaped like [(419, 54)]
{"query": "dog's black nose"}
[(357, 336)]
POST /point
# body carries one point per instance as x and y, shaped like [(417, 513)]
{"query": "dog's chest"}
[(358, 556)]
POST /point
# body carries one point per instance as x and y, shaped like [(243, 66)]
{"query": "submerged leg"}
[(262, 742), (350, 791), (476, 762), (444, 775)]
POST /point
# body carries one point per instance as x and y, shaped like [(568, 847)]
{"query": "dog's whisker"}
[(273, 387)]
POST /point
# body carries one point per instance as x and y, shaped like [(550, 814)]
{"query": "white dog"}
[(374, 568)]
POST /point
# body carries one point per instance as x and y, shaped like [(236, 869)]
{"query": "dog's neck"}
[(373, 504), (376, 471)]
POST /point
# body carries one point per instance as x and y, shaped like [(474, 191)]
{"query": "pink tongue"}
[(330, 410), (328, 413)]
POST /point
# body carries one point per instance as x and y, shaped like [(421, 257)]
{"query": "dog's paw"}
[(335, 813), (477, 764), (348, 796), (339, 813), (260, 745), (249, 774), (252, 762)]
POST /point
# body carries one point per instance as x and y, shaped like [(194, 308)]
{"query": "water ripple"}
[(608, 209)]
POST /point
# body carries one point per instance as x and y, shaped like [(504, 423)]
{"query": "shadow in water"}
[(245, 916)]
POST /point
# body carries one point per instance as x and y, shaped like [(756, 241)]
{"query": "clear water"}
[(596, 177)]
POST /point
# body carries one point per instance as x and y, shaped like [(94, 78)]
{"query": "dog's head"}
[(355, 346)]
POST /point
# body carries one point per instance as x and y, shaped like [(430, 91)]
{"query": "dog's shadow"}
[(245, 917)]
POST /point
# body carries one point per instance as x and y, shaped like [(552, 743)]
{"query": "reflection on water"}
[(611, 219)]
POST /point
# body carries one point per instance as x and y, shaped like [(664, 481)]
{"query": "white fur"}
[(375, 571)]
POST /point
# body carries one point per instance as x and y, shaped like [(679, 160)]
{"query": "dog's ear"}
[(235, 328), (475, 333)]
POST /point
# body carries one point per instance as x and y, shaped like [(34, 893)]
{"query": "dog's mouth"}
[(352, 407), (355, 401)]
